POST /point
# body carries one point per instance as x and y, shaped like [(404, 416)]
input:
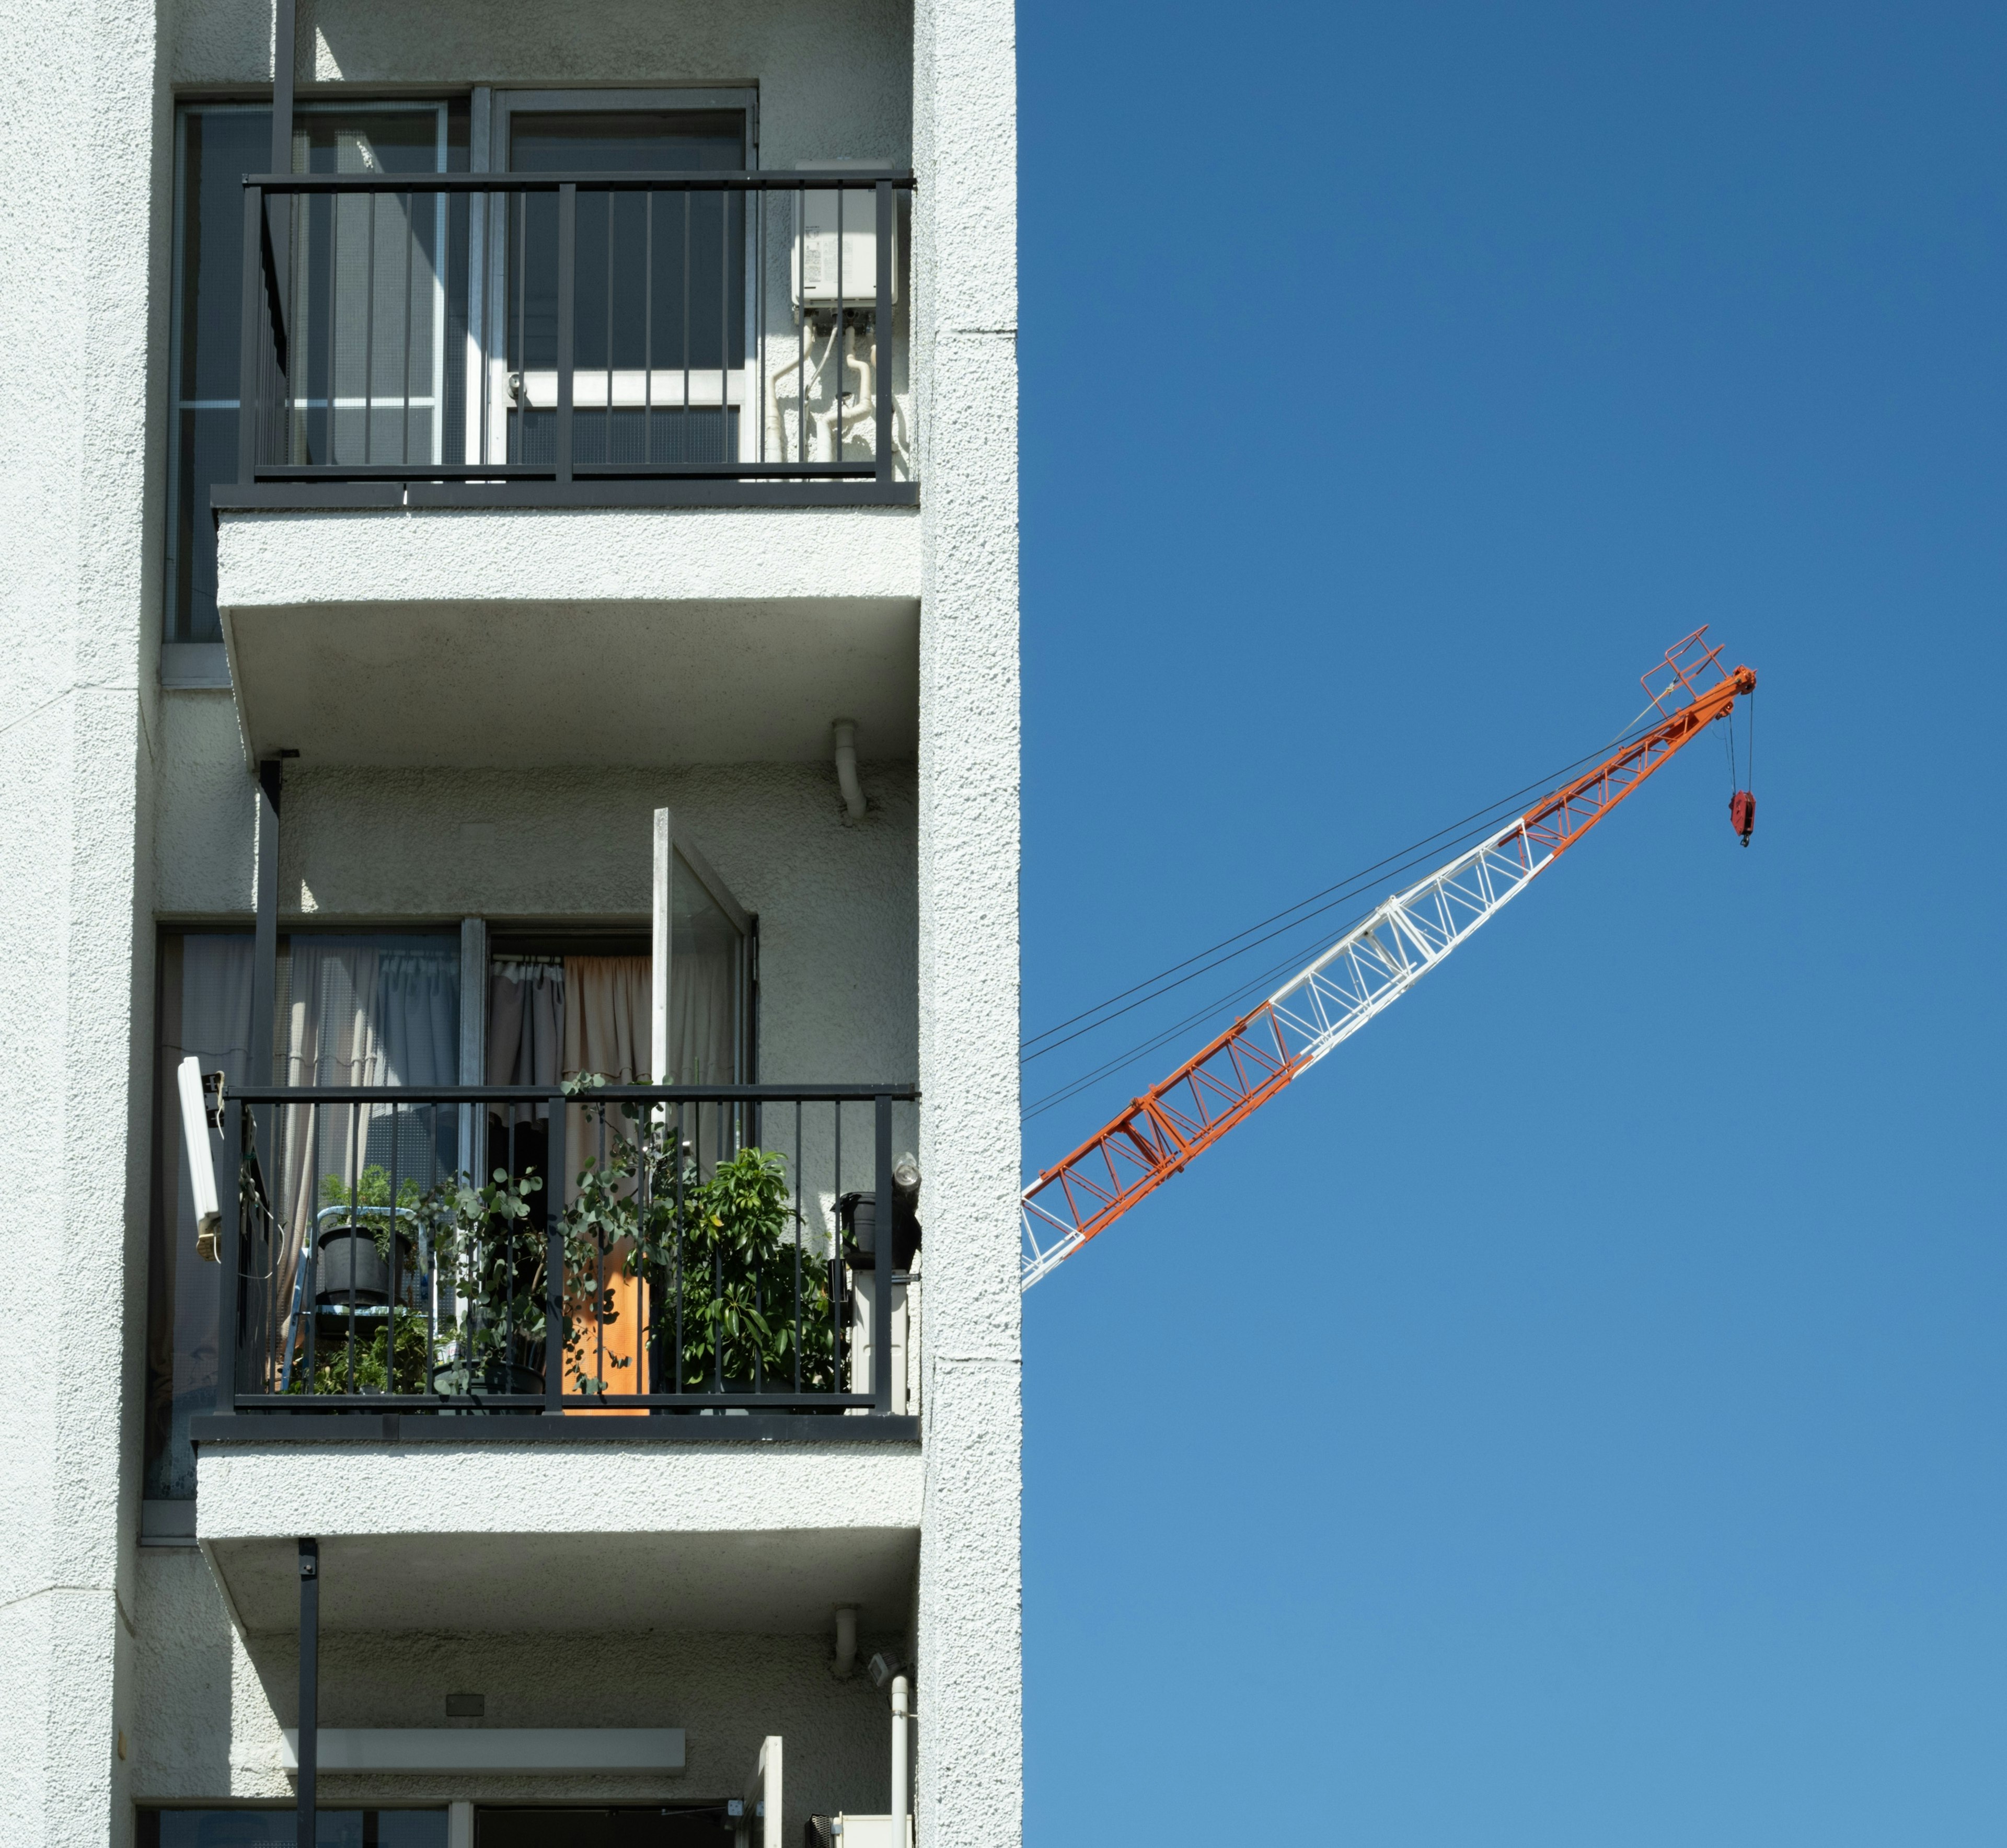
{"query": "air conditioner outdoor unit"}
[(863, 1832)]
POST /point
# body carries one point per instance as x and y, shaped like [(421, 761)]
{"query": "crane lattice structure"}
[(1368, 968)]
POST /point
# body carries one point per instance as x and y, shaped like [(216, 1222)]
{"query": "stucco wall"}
[(970, 1787), (834, 81), (81, 264), (836, 900)]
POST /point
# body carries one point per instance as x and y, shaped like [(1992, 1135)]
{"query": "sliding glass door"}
[(662, 328)]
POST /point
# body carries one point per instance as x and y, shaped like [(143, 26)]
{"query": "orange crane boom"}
[(1369, 967)]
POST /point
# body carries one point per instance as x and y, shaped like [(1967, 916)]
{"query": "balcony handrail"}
[(282, 1346), (772, 180), (293, 430), (543, 1093)]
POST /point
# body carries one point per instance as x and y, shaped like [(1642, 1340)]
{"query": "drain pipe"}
[(845, 731), (845, 1665), (902, 1783)]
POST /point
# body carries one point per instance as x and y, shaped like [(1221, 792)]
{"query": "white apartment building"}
[(509, 546)]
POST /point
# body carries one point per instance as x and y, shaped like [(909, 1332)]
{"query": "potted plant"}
[(481, 1238), (352, 1256), (721, 1249)]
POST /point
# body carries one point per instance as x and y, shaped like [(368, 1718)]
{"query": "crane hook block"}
[(1742, 814)]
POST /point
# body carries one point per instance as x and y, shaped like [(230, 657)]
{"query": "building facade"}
[(508, 776)]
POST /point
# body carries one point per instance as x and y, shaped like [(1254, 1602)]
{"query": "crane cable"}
[(1473, 826), (1157, 1135)]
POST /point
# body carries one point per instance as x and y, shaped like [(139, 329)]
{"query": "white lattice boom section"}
[(1368, 968)]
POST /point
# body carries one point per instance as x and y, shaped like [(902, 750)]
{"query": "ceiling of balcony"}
[(778, 1582), (482, 684)]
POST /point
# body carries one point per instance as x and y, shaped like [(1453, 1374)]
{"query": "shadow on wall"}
[(186, 1652), (728, 1692)]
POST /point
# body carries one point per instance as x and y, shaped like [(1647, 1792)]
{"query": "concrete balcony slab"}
[(471, 639), (765, 1540)]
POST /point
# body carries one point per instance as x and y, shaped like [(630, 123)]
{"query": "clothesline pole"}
[(658, 972)]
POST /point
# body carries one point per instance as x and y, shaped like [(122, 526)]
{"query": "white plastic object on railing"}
[(201, 1159)]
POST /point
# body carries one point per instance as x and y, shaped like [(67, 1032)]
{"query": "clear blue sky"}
[(1574, 1414)]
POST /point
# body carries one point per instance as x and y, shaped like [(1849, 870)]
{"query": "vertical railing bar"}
[(599, 1261), (429, 1285), (648, 327), (717, 1258), (520, 406), (555, 1164), (800, 1221), (838, 1325), (333, 309), (390, 1313), (644, 1365), (404, 447), (251, 353), (882, 329), (689, 297), (836, 455), (370, 340), (567, 286), (807, 328), (355, 1214), (881, 1259), (676, 1163), (611, 197), (309, 1245), (724, 324), (759, 335), (230, 1198)]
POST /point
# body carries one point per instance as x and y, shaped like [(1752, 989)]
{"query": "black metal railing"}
[(711, 1249), (552, 331)]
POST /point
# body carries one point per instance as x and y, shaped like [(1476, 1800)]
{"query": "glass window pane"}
[(206, 1010), (418, 301), (279, 1829), (704, 985), (628, 141), (219, 146)]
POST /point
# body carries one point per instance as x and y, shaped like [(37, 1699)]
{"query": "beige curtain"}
[(606, 1004), (591, 1014)]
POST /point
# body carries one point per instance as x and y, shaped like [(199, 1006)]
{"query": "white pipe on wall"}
[(845, 731), (902, 1782)]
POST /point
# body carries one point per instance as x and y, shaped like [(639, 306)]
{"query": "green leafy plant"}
[(729, 1283), (373, 1371), (724, 1250), (368, 1200), (481, 1236)]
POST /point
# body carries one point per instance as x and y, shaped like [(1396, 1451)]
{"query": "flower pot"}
[(349, 1268), (456, 1380)]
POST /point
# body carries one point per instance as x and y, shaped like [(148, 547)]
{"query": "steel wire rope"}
[(1471, 826), (1254, 985), (1242, 991), (1474, 826)]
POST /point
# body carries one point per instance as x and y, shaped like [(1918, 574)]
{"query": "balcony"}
[(426, 355), (393, 1264), (486, 340), (707, 1323)]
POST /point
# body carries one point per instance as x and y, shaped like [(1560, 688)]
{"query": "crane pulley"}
[(1360, 975)]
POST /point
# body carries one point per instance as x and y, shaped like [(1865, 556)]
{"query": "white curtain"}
[(362, 1011)]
